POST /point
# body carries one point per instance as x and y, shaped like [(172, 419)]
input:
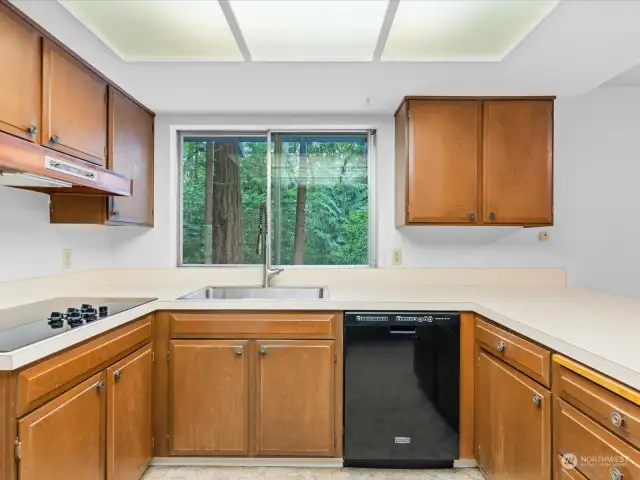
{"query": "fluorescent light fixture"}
[(19, 179), (152, 30), (288, 30), (462, 30)]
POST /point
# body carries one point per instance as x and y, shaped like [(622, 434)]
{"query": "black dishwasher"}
[(401, 389)]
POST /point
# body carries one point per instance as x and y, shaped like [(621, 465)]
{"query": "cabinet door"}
[(131, 155), (65, 438), (518, 161), (129, 411), (443, 161), (513, 422), (20, 76), (295, 398), (209, 397), (74, 117)]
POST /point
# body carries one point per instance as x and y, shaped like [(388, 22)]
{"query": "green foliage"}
[(336, 230)]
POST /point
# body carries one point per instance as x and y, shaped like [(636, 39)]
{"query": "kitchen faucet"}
[(263, 244)]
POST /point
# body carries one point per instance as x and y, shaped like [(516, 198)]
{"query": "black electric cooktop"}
[(31, 323)]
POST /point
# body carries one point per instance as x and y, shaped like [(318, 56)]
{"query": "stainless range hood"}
[(26, 165)]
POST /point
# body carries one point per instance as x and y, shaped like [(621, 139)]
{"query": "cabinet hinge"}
[(17, 449), (153, 444), (153, 355), (168, 355), (105, 151)]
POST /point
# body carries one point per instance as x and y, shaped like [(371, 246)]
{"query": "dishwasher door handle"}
[(402, 332)]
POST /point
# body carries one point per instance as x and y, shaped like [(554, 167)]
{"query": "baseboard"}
[(465, 463), (246, 462)]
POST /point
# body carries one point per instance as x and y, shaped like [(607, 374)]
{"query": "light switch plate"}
[(67, 258), (396, 257)]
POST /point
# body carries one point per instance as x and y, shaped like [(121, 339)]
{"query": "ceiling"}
[(310, 30), (266, 64)]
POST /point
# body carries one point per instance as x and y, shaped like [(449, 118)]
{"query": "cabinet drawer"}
[(598, 452), (524, 355), (300, 325), (608, 409), (50, 377)]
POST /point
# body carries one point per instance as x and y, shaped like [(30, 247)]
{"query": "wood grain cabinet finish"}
[(443, 164), (20, 77), (518, 162), (129, 415), (295, 398), (474, 161), (74, 106), (209, 397), (513, 422), (65, 438)]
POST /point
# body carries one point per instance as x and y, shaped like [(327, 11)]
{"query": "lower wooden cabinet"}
[(129, 416), (513, 422), (65, 438), (209, 397), (295, 398)]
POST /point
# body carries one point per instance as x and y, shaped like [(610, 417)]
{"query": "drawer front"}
[(599, 454), (608, 409), (300, 325), (50, 377), (529, 358)]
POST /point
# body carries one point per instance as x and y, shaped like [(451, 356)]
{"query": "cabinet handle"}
[(616, 474), (117, 374), (471, 216), (263, 349), (616, 419), (501, 346), (100, 385), (32, 129), (492, 216), (537, 399), (239, 350), (54, 138)]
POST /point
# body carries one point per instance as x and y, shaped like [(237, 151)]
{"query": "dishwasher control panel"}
[(402, 318)]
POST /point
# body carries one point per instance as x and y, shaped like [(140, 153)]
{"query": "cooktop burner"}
[(28, 324)]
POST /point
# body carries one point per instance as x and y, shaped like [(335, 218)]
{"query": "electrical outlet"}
[(543, 236), (67, 258), (396, 257)]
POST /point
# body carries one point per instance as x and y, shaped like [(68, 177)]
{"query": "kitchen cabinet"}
[(513, 422), (474, 161), (295, 398), (209, 395), (129, 415), (74, 116), (20, 76), (65, 438), (131, 155)]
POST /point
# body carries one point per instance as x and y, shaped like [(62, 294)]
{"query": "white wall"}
[(30, 246)]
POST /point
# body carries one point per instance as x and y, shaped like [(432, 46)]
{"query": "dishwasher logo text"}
[(425, 318), (403, 439), (360, 318)]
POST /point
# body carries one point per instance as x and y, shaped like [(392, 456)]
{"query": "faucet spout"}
[(268, 274)]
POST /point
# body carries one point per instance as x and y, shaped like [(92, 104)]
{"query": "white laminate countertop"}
[(598, 330)]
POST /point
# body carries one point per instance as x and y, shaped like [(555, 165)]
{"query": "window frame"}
[(240, 131)]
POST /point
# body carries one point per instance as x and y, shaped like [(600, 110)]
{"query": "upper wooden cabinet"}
[(474, 161), (20, 76), (74, 110), (131, 155)]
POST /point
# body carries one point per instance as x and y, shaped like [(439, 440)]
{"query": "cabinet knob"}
[(537, 399), (616, 419), (116, 213), (32, 129), (100, 385), (117, 374), (263, 349), (616, 474), (54, 138), (492, 216), (239, 350), (471, 216), (501, 346)]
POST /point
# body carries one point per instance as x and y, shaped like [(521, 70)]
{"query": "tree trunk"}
[(208, 205), (301, 206), (227, 206)]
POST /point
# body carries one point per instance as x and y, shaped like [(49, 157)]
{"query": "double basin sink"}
[(258, 293)]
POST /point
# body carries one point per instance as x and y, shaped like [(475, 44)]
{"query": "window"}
[(319, 198)]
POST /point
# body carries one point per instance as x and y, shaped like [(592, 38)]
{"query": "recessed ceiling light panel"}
[(295, 30), (159, 29), (459, 30)]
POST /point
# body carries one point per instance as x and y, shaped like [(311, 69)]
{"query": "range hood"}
[(34, 167)]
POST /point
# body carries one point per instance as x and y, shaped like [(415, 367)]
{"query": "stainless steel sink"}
[(247, 293)]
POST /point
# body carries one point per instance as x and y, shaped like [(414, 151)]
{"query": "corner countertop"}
[(598, 330)]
